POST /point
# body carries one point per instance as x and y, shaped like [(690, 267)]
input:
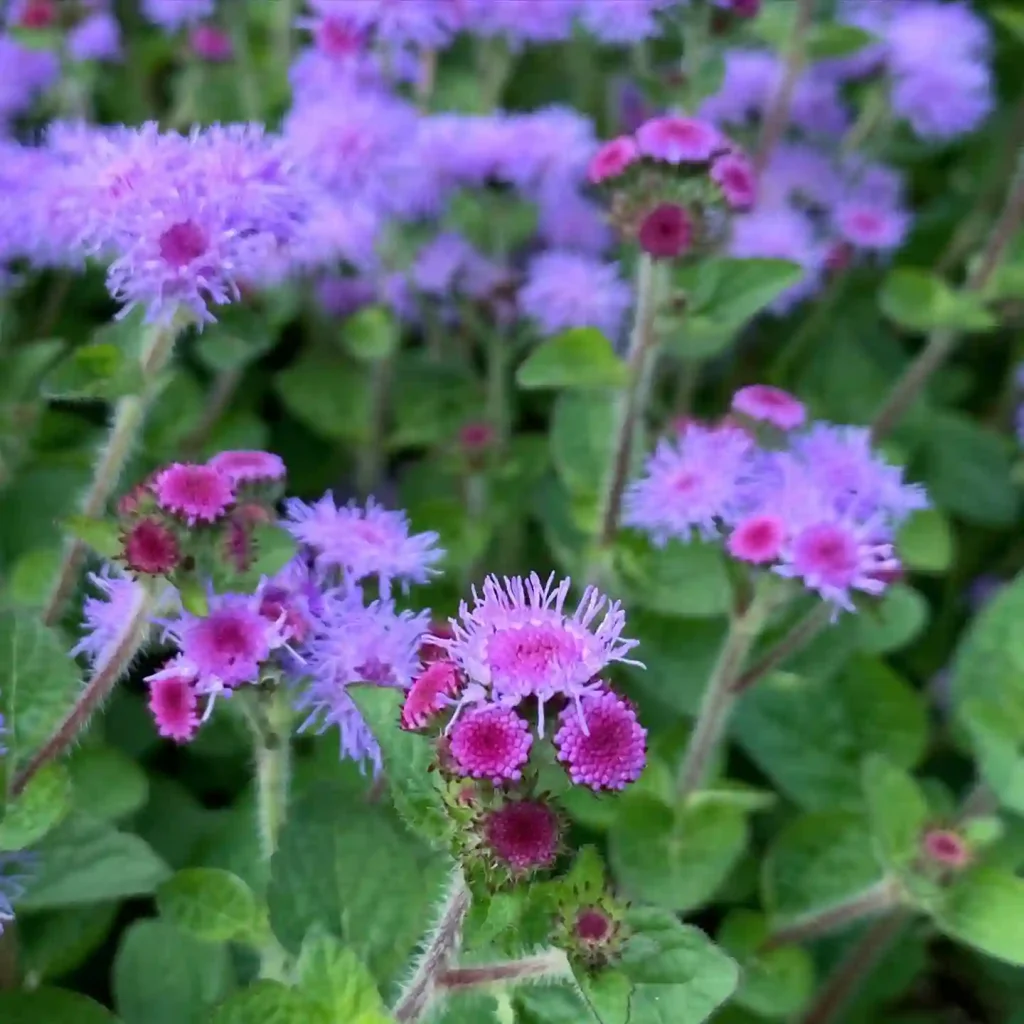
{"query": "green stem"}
[(273, 769), (371, 456), (942, 341), (641, 359), (720, 697), (498, 412), (129, 419)]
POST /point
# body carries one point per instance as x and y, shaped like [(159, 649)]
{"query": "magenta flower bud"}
[(173, 701), (757, 539), (37, 14), (427, 696), (476, 438), (211, 43), (666, 232), (612, 159), (735, 176), (491, 743), (946, 848), (151, 547), (679, 140), (523, 835), (195, 493), (249, 467), (770, 405)]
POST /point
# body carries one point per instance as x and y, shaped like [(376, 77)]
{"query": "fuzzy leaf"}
[(332, 976), (925, 542), (212, 905), (897, 812), (107, 783), (42, 805), (102, 535), (270, 1002), (985, 909), (370, 334)]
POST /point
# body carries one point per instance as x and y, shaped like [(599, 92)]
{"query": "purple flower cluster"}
[(815, 504)]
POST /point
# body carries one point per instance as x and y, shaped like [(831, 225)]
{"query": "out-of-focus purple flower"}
[(518, 641), (353, 643), (443, 265), (211, 43), (622, 21), (175, 14), (106, 616), (734, 175), (679, 140), (565, 290), (523, 21), (770, 405), (567, 220), (800, 173), (871, 226), (15, 874), (425, 23), (944, 100), (26, 74), (691, 484), (342, 296), (363, 541), (249, 467), (551, 142), (97, 37)]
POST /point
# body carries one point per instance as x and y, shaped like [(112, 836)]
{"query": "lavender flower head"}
[(175, 14), (106, 615), (564, 290), (97, 37), (622, 21), (27, 73), (363, 541), (426, 23), (518, 641), (353, 643)]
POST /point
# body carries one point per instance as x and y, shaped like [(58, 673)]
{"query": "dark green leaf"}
[(102, 535), (371, 334), (897, 812), (829, 40), (328, 395), (52, 1006), (107, 783), (920, 301)]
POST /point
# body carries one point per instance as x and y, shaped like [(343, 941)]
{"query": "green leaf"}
[(407, 760), (1011, 19), (270, 1002), (33, 575), (87, 861), (678, 975), (918, 300), (985, 909), (55, 943), (162, 976), (100, 370), (43, 804), (102, 535), (239, 337), (925, 542), (833, 39), (897, 812), (674, 859), (355, 873), (687, 580), (39, 683), (897, 619), (776, 982), (371, 334), (816, 862), (107, 783), (328, 395), (579, 358), (212, 905), (868, 709), (335, 979), (967, 470), (52, 1006), (996, 732)]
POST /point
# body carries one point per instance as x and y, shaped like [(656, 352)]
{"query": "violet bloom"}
[(604, 747), (175, 14), (443, 263), (363, 541), (554, 142), (96, 37), (211, 43), (679, 140), (106, 616), (567, 220), (353, 643), (518, 642), (622, 21), (565, 290), (422, 23), (522, 21), (871, 226), (612, 159), (27, 73), (691, 484)]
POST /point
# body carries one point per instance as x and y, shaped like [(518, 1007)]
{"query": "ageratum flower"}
[(604, 747), (518, 642), (175, 14), (426, 23), (173, 700), (622, 21), (106, 616)]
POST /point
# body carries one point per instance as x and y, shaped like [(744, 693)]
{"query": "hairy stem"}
[(855, 968), (273, 770), (129, 419), (798, 637), (642, 353), (941, 342), (110, 666), (443, 944), (777, 117), (550, 964), (720, 696), (879, 898)]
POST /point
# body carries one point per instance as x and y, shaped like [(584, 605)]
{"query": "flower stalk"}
[(129, 419), (550, 964), (110, 666), (273, 770), (720, 696)]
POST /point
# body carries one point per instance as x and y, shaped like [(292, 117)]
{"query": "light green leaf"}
[(42, 805), (867, 709), (87, 861), (892, 623), (107, 783), (52, 1006), (102, 535), (920, 301), (329, 395), (827, 40), (579, 358), (674, 859), (996, 732), (776, 982), (678, 975), (332, 976), (897, 812), (925, 542), (371, 334), (162, 976), (270, 1002), (816, 862), (33, 575), (212, 905), (407, 760), (99, 370), (726, 292), (678, 579), (323, 876), (985, 909), (1012, 19)]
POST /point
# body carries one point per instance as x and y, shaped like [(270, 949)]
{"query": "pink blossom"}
[(757, 539), (429, 693), (679, 140), (193, 492), (150, 547), (173, 701), (867, 225), (208, 42), (491, 742), (735, 177), (946, 848), (770, 405), (612, 159), (607, 749), (249, 466)]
